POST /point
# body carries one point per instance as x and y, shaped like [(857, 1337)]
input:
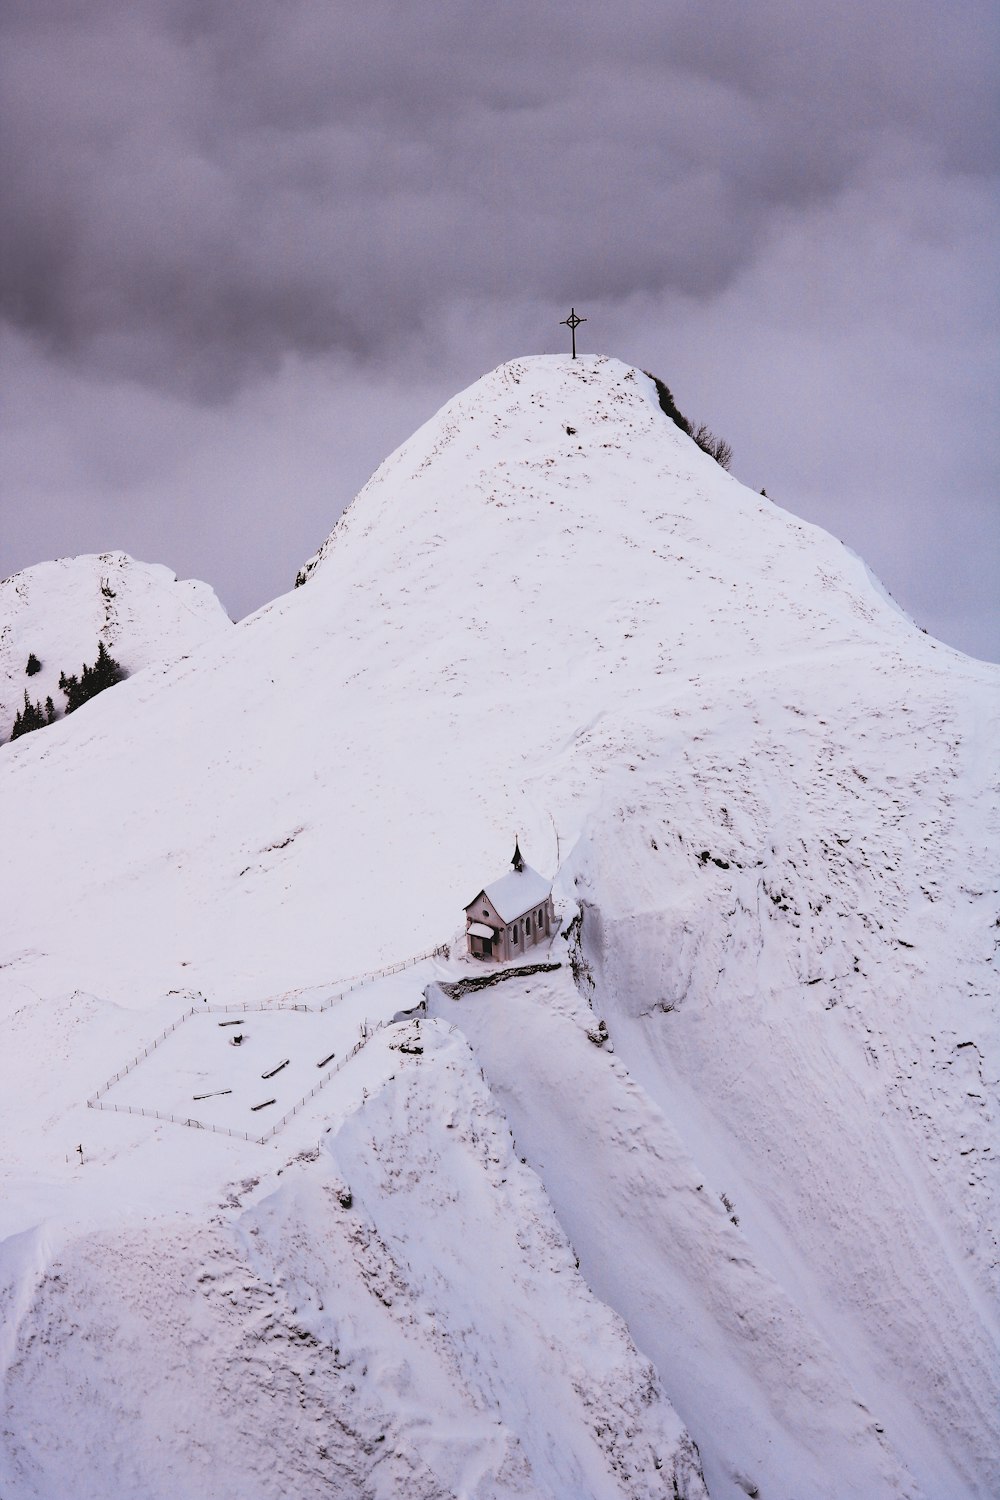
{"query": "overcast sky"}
[(247, 248)]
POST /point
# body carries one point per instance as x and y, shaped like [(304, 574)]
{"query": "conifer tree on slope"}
[(92, 680), (31, 717)]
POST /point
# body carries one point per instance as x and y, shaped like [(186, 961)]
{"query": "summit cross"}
[(572, 323)]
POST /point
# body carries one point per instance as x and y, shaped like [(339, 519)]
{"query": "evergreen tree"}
[(92, 680), (106, 672), (31, 717), (71, 687)]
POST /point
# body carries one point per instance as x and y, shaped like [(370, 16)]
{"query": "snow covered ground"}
[(220, 1068), (770, 804)]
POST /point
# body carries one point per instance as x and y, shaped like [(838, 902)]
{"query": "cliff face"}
[(768, 802)]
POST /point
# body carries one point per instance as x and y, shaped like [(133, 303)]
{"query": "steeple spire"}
[(518, 860)]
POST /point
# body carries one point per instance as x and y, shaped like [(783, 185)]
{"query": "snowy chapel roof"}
[(518, 891)]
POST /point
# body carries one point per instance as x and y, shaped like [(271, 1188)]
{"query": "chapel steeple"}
[(518, 860)]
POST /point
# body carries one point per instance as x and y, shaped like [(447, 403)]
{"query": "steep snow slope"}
[(772, 799), (59, 611), (655, 1241), (328, 1333)]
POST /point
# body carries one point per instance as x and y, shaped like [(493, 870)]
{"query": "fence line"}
[(265, 1007), (356, 981), (323, 1080), (345, 986), (94, 1102), (135, 1061)]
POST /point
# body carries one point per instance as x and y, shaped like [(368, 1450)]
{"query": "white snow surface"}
[(518, 890), (769, 804), (59, 611)]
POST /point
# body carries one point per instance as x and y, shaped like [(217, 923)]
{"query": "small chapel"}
[(512, 914)]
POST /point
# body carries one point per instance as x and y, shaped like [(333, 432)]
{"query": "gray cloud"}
[(208, 205), (194, 189)]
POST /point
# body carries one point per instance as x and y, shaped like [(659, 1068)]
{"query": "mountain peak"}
[(552, 481)]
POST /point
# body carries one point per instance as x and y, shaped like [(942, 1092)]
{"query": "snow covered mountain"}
[(57, 613), (491, 1256)]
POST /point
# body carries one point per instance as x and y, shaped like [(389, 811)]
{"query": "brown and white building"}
[(511, 915)]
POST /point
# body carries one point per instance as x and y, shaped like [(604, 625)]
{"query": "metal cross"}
[(572, 323)]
